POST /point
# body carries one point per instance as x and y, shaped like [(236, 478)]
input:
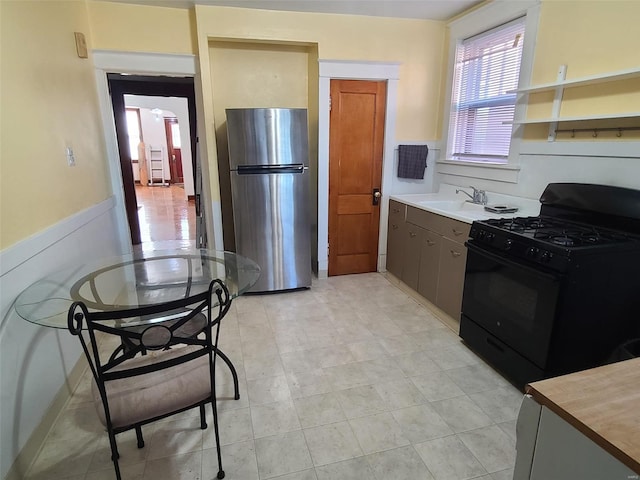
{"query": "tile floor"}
[(351, 379)]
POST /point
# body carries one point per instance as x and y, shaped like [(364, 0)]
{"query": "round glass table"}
[(134, 280)]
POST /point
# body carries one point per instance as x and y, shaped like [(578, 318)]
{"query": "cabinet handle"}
[(457, 233), (394, 226), (412, 234), (431, 243), (455, 254), (396, 210)]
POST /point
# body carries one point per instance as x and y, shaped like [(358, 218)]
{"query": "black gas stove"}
[(550, 241), (556, 293)]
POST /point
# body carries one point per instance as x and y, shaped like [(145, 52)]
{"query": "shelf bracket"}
[(557, 103)]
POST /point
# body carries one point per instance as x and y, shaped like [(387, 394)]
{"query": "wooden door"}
[(175, 154), (356, 141)]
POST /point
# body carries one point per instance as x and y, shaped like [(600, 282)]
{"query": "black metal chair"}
[(132, 390)]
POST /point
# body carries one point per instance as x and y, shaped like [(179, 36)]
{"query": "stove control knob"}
[(508, 243), (532, 251), (489, 237), (546, 257)]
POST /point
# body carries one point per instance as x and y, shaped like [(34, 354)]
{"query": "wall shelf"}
[(558, 87), (583, 81), (574, 119)]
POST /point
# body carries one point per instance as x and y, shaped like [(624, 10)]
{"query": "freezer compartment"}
[(271, 217), (267, 136)]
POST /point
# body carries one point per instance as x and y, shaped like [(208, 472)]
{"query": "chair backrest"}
[(160, 327)]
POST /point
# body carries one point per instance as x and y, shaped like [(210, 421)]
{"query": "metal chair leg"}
[(234, 374), (203, 418), (139, 436)]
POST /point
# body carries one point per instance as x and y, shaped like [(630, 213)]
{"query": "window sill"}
[(498, 172)]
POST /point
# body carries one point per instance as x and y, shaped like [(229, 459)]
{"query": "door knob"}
[(376, 196)]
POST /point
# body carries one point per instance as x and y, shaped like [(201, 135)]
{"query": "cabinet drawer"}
[(455, 230), (424, 219), (397, 211)]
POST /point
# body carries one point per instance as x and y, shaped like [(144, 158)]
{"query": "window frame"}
[(475, 23)]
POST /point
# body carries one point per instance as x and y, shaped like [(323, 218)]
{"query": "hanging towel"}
[(412, 161)]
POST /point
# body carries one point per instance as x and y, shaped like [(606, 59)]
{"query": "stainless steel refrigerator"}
[(269, 164)]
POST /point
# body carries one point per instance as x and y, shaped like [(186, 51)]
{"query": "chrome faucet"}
[(479, 196)]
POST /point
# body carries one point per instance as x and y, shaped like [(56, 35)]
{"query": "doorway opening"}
[(155, 122)]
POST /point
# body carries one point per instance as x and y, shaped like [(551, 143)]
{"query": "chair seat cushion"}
[(136, 399)]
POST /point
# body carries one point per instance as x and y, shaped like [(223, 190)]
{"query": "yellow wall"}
[(416, 44), (250, 75), (48, 101), (590, 38), (141, 28)]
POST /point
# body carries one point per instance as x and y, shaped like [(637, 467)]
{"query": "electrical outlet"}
[(71, 159)]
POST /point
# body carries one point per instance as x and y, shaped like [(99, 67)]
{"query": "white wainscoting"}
[(36, 363)]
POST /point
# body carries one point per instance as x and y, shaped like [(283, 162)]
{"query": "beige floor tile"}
[(332, 443), (491, 446), (238, 462), (361, 401), (436, 386), (448, 458), (500, 404), (62, 458), (366, 350), (187, 466), (234, 426), (274, 418), (282, 454), (421, 423), (128, 472), (268, 390), (461, 414), (175, 438), (416, 363), (399, 464), (304, 475), (355, 469), (399, 393), (477, 378), (377, 433), (319, 410), (305, 384)]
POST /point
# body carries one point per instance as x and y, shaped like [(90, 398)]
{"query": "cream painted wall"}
[(416, 44), (590, 38), (250, 75), (48, 102), (141, 28)]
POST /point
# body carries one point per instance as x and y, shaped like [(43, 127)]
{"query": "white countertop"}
[(450, 204)]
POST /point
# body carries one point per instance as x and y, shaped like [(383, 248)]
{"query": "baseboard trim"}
[(32, 447)]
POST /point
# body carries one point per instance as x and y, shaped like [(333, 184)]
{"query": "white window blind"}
[(486, 67)]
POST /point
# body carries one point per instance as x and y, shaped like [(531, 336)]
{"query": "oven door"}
[(513, 301)]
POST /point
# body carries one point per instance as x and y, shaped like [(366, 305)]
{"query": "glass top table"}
[(134, 280)]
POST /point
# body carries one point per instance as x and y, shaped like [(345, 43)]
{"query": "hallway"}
[(167, 219)]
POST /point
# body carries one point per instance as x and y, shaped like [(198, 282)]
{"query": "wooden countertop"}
[(603, 403)]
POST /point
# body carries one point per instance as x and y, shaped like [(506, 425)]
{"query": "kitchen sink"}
[(453, 205)]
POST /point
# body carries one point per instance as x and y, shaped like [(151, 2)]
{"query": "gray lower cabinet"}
[(396, 238), (429, 265), (426, 251), (453, 260)]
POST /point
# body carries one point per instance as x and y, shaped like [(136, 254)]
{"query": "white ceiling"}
[(422, 9)]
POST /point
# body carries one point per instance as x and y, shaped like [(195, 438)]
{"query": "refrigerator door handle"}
[(262, 169)]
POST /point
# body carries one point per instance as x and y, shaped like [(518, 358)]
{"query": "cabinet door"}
[(396, 238), (453, 259), (429, 265), (411, 264), (563, 452)]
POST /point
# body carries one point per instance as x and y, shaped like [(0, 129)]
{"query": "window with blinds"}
[(486, 67)]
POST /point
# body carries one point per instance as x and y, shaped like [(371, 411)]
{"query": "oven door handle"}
[(505, 261)]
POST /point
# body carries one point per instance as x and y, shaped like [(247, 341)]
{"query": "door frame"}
[(155, 64), (348, 70)]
